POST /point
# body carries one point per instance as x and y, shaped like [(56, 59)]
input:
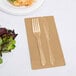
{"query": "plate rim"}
[(4, 9)]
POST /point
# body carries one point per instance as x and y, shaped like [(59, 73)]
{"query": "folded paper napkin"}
[(44, 45)]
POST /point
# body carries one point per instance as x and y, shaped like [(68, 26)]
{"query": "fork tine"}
[(38, 26), (35, 25)]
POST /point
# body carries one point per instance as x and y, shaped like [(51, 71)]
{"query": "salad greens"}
[(1, 61), (7, 41)]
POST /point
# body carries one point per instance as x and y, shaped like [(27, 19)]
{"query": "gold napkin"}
[(47, 28)]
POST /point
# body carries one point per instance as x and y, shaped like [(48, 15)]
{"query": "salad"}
[(7, 41)]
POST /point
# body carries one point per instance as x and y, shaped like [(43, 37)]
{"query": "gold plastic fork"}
[(52, 59), (37, 33)]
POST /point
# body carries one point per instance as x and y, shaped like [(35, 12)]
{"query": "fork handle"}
[(43, 61)]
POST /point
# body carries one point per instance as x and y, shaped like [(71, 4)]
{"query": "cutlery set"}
[(37, 34)]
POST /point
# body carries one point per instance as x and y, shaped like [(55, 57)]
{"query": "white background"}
[(18, 63)]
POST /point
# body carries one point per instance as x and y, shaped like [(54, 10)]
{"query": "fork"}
[(37, 33), (52, 59)]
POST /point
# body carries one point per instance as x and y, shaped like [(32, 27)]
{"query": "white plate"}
[(5, 6)]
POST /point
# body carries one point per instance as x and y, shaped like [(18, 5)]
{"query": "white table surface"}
[(19, 64)]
